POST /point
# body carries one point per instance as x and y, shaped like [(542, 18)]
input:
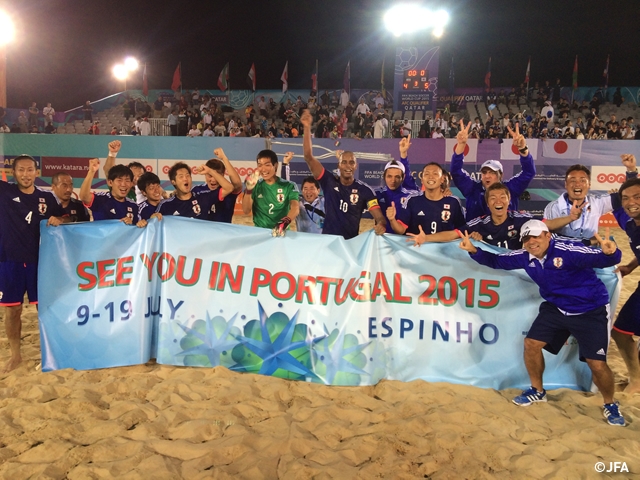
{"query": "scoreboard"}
[(416, 80), (415, 83)]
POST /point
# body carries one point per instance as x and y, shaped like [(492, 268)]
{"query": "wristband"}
[(522, 150), (112, 154)]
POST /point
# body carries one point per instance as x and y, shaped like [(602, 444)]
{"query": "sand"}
[(155, 422)]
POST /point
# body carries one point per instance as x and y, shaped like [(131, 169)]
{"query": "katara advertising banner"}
[(305, 307)]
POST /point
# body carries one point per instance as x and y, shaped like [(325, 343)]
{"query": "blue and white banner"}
[(305, 307)]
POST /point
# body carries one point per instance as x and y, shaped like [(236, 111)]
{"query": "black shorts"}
[(16, 279), (628, 320), (590, 329)]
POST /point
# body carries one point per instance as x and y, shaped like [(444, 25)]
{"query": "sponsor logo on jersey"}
[(557, 262), (17, 199), (421, 213), (445, 215), (259, 195), (113, 211), (336, 189), (176, 213), (489, 237)]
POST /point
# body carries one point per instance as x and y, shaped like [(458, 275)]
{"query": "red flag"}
[(526, 75), (285, 77), (4, 175), (575, 74), (223, 78), (177, 79), (251, 77), (145, 84), (314, 79), (487, 77)]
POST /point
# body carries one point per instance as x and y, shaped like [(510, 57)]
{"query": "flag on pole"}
[(251, 77), (285, 77), (382, 89), (605, 74), (314, 79), (177, 79), (526, 75), (347, 78), (223, 78), (452, 80), (487, 77), (574, 83), (145, 84)]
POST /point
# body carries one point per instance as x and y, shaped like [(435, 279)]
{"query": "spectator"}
[(49, 128), (88, 111), (114, 131), (362, 107), (208, 132), (618, 99), (33, 115), (48, 113), (94, 129), (23, 122), (220, 129), (157, 108), (194, 132), (145, 127), (4, 128)]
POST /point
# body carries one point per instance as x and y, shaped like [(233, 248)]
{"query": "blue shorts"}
[(628, 320), (16, 278), (590, 329)]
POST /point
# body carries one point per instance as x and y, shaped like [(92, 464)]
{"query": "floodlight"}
[(120, 72), (7, 30), (131, 64), (411, 17)]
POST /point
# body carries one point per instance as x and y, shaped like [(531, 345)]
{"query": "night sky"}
[(66, 48)]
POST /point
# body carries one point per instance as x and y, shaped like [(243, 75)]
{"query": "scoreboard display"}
[(416, 80)]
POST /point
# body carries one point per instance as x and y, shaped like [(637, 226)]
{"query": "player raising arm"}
[(346, 198)]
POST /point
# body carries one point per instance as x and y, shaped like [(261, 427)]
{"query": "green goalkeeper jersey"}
[(272, 202)]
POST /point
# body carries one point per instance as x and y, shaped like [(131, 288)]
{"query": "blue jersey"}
[(400, 195), (565, 275), (76, 211), (473, 190), (433, 215), (145, 210), (311, 216), (505, 235), (224, 209), (198, 206), (20, 221), (105, 207), (345, 204), (631, 228)]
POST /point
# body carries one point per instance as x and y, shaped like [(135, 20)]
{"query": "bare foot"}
[(12, 364), (633, 387)]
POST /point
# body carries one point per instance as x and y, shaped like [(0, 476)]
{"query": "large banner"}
[(306, 307)]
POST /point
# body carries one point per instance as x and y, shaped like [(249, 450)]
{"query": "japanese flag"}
[(562, 148), (509, 152), (470, 151)]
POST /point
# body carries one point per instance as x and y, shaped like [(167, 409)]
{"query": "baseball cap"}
[(394, 164), (494, 165), (533, 228)]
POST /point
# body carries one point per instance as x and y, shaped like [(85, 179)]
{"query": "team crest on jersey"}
[(196, 208), (130, 215), (512, 233), (557, 262), (280, 197), (354, 197), (42, 207), (445, 215)]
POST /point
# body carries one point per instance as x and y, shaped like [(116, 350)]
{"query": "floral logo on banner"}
[(279, 346)]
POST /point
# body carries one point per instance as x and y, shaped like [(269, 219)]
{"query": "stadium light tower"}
[(410, 18), (122, 70), (7, 34)]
